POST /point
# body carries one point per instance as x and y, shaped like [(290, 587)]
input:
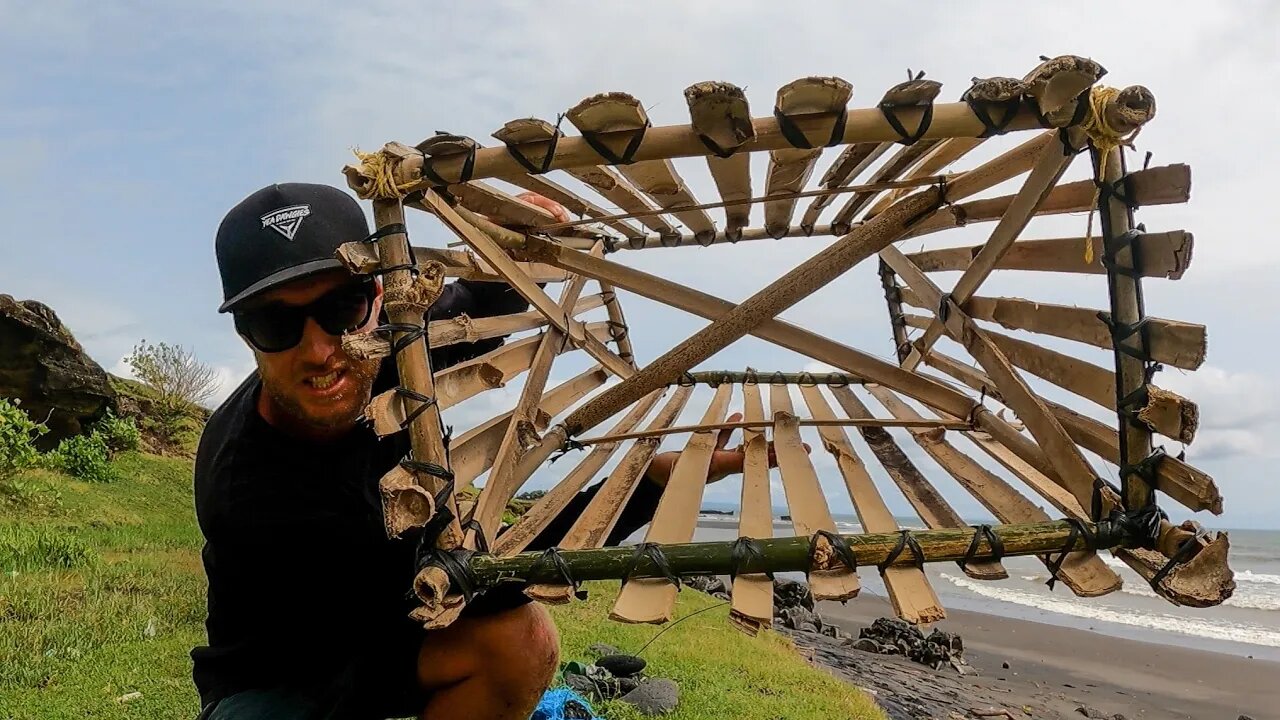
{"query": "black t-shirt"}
[(304, 586)]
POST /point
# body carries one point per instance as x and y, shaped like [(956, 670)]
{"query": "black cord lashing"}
[(793, 134), (905, 540), (468, 168), (552, 557), (425, 402), (742, 552), (543, 165), (839, 544), (628, 153), (569, 445), (907, 138), (653, 553), (981, 532), (1009, 110)]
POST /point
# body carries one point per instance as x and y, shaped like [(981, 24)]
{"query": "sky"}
[(130, 128)]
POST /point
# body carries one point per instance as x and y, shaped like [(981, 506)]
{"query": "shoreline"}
[(1051, 669)]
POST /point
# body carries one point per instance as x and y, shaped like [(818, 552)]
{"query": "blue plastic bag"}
[(563, 703)]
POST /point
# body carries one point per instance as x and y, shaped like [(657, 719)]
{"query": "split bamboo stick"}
[(717, 377), (805, 500), (465, 329), (618, 329), (464, 265), (799, 422), (1164, 255), (913, 598), (852, 162), (903, 160), (928, 503), (752, 595), (653, 600), (473, 452), (789, 168), (718, 112), (597, 521), (515, 538)]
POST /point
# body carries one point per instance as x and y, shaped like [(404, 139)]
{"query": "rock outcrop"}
[(43, 366)]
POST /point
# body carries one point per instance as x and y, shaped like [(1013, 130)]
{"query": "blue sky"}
[(129, 128)]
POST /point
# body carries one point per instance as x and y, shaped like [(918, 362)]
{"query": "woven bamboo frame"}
[(910, 192)]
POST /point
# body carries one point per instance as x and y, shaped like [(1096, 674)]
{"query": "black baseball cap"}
[(282, 233)]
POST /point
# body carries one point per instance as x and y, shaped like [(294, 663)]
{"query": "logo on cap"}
[(286, 220)]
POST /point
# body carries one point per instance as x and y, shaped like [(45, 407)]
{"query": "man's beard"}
[(361, 373)]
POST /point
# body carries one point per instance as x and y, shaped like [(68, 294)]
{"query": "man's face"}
[(314, 388)]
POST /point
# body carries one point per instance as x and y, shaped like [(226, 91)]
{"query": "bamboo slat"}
[(465, 329), (595, 523), (910, 593), (515, 538), (1085, 573), (464, 265), (790, 168), (1172, 342), (653, 600), (752, 595), (573, 202), (928, 503), (719, 113), (1164, 185), (533, 136), (805, 500), (473, 452), (939, 158), (386, 410), (618, 329), (903, 160), (620, 113), (1164, 255), (500, 207), (852, 162)]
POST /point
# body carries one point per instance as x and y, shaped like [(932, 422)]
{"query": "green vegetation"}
[(102, 597), (17, 439)]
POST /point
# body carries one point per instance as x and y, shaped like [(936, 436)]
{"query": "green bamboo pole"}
[(790, 554), (767, 377)]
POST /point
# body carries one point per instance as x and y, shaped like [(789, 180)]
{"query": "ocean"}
[(1248, 624)]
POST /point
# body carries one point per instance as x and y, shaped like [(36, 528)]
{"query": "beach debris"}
[(891, 636), (1002, 712), (657, 696), (623, 666), (790, 593), (129, 697), (1096, 714)]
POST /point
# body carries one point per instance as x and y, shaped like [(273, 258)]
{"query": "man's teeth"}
[(323, 381)]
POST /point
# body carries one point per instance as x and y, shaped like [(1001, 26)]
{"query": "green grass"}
[(102, 596)]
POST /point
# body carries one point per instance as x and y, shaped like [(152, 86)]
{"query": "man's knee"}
[(518, 647)]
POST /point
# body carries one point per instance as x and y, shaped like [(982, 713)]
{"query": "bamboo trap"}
[(633, 196)]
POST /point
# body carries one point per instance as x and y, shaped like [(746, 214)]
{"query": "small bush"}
[(17, 439), (178, 377), (85, 457), (119, 433), (531, 495), (29, 494)]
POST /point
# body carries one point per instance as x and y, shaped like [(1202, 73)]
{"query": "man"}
[(308, 599)]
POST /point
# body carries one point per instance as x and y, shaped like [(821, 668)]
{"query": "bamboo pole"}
[(752, 595), (719, 113), (903, 160), (805, 500), (593, 526), (939, 158), (718, 377), (925, 499), (618, 324), (789, 554), (464, 265), (653, 600), (386, 410), (912, 597), (531, 524), (1084, 572), (862, 125), (1164, 255), (406, 302), (799, 422), (573, 202)]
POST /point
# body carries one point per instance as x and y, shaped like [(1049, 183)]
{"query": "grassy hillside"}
[(102, 597)]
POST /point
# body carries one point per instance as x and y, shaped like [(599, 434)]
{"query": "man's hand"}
[(725, 461), (558, 211)]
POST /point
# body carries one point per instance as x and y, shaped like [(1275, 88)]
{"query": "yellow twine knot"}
[(1105, 138), (377, 169)]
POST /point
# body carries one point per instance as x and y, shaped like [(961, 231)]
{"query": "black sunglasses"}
[(278, 327)]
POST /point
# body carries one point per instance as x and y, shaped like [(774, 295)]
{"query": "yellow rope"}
[(379, 169), (1105, 138)]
